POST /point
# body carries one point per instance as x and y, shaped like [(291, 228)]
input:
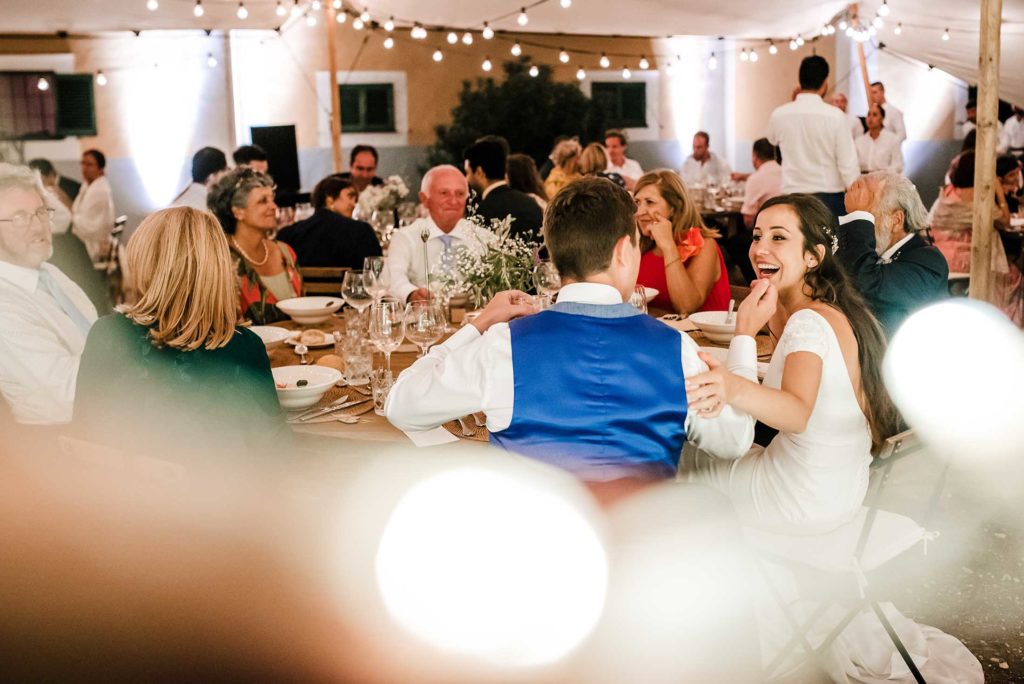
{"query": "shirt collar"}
[(490, 187), (806, 97), (25, 278), (459, 231), (887, 254), (589, 293)]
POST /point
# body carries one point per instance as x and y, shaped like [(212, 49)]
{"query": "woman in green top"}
[(171, 375)]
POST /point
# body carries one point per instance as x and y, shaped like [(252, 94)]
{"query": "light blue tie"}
[(446, 259), (66, 305), (447, 240)]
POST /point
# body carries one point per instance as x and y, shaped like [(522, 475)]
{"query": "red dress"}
[(652, 274)]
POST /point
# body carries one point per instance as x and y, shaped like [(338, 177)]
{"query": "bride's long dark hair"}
[(828, 282)]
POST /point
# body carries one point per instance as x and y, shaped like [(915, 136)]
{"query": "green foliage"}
[(528, 111)]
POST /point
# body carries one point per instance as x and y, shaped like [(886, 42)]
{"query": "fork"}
[(467, 430), (479, 419)]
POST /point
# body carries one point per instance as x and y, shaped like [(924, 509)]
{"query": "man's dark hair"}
[(247, 154), (101, 159), (971, 104), (764, 150), (962, 176), (616, 133), (879, 84), (813, 72), (43, 166), (500, 139), (703, 134), (1005, 164), (584, 221), (359, 149), (207, 162), (328, 188), (488, 155), (970, 141)]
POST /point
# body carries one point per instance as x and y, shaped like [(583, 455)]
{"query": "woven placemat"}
[(481, 435), (765, 347)]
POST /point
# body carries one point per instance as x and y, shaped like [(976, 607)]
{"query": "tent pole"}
[(855, 19), (330, 15), (984, 233)]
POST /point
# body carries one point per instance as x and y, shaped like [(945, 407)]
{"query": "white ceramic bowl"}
[(713, 325), (271, 335), (318, 379), (650, 293), (310, 310)]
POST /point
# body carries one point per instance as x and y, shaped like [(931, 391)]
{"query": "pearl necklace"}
[(266, 252)]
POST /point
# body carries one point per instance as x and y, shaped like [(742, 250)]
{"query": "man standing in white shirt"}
[(1013, 133), (419, 247), (818, 156), (615, 145), (207, 166), (893, 116), (704, 166), (878, 149), (44, 317), (92, 214), (571, 386)]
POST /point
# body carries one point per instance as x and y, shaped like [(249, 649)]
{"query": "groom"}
[(590, 385)]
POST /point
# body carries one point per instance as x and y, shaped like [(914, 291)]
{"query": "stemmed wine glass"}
[(424, 324), (376, 277), (546, 278), (639, 298), (353, 291), (387, 326)]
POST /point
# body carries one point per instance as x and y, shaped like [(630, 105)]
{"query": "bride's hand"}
[(757, 309), (707, 393)]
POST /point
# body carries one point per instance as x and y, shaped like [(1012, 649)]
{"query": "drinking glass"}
[(387, 326), (376, 277), (639, 298), (424, 324), (546, 278), (381, 381), (353, 290), (357, 356)]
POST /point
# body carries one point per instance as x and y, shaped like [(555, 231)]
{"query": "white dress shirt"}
[(886, 256), (879, 154), (472, 372), (193, 196), (630, 168), (714, 170), (763, 184), (1002, 142), (817, 150), (1013, 134), (856, 126), (61, 214), (405, 254), (92, 216), (894, 121), (40, 347)]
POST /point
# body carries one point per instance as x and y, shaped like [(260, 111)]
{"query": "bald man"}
[(443, 192), (856, 125)]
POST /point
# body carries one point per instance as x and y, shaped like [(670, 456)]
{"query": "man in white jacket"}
[(92, 214)]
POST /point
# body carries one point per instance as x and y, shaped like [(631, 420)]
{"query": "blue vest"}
[(599, 391)]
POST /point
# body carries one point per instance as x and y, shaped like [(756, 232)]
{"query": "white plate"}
[(293, 339), (723, 355), (713, 325), (650, 293), (271, 335)]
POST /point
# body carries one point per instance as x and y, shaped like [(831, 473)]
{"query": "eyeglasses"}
[(23, 219)]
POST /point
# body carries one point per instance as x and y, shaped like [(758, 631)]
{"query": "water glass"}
[(543, 301), (353, 291), (357, 356), (387, 326), (376, 277), (639, 298), (546, 278), (381, 381), (424, 324)]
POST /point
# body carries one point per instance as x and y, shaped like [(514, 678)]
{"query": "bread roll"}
[(332, 361), (312, 337)]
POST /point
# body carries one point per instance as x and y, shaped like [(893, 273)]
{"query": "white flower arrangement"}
[(382, 198)]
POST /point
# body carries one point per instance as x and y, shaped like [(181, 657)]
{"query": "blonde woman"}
[(172, 375), (681, 258), (593, 161), (565, 156)]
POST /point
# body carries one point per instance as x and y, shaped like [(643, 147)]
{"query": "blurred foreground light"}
[(955, 370), (482, 564)]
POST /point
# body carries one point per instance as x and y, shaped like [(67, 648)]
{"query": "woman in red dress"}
[(681, 258)]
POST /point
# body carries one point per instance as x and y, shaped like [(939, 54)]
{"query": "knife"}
[(332, 409), (340, 400)]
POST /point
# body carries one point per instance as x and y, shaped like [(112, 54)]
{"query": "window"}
[(367, 108), (626, 103)]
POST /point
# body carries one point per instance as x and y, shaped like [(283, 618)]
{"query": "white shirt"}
[(405, 254), (1013, 134), (886, 256), (714, 170), (894, 121), (472, 372), (879, 154), (1002, 142), (817, 150), (92, 216), (763, 184), (856, 127), (61, 214), (630, 168), (40, 347), (193, 196)]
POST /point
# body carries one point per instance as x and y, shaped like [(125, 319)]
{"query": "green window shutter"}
[(367, 108), (626, 103)]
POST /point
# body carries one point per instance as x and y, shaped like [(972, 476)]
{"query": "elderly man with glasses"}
[(44, 316)]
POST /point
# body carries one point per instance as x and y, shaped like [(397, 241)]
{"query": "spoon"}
[(302, 350), (731, 316)]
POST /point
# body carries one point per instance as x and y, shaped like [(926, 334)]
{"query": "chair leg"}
[(897, 642)]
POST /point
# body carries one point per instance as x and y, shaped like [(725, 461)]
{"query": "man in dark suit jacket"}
[(895, 269), (485, 170)]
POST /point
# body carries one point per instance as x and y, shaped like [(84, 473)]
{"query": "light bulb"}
[(198, 10), (242, 13), (800, 41), (453, 38), (563, 56), (843, 25), (365, 16), (280, 10), (566, 4), (644, 64), (516, 49), (389, 25), (605, 62), (534, 71), (467, 38), (945, 35), (43, 84), (336, 4), (438, 56), (712, 62), (341, 17), (152, 5), (310, 20), (753, 56), (877, 22), (743, 55), (101, 79), (848, 32), (357, 24), (316, 5), (898, 30), (522, 19), (211, 61), (488, 32), (793, 45), (486, 66), (883, 11), (772, 50), (389, 43), (296, 10), (626, 73), (580, 74)]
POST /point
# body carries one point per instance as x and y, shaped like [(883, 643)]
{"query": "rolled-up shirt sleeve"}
[(731, 432)]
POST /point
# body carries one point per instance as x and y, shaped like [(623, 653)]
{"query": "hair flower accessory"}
[(831, 234)]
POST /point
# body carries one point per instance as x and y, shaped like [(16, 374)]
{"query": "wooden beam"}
[(330, 21), (984, 234), (865, 78)]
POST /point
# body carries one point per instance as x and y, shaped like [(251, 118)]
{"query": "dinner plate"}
[(294, 340)]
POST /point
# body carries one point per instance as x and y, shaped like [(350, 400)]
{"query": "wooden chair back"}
[(319, 280)]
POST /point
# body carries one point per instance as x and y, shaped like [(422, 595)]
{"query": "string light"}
[(522, 19), (877, 22), (580, 74), (516, 49), (883, 11), (712, 62), (486, 66), (358, 24), (438, 55), (793, 45), (945, 35), (296, 10), (198, 10), (898, 30), (566, 4), (211, 61), (389, 25), (316, 5), (453, 38), (365, 17), (563, 56), (418, 32), (310, 19), (488, 32), (843, 25), (872, 31), (753, 55), (670, 69), (800, 41), (534, 71), (743, 55), (336, 4), (626, 73), (772, 49), (341, 17), (43, 84), (242, 13), (644, 64), (389, 43), (467, 38), (849, 31), (151, 5), (101, 79), (605, 62), (280, 10)]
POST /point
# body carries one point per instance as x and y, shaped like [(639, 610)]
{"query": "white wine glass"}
[(424, 324), (353, 291), (376, 277), (387, 326), (546, 278), (639, 298)]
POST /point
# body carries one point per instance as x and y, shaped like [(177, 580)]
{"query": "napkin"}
[(433, 437)]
